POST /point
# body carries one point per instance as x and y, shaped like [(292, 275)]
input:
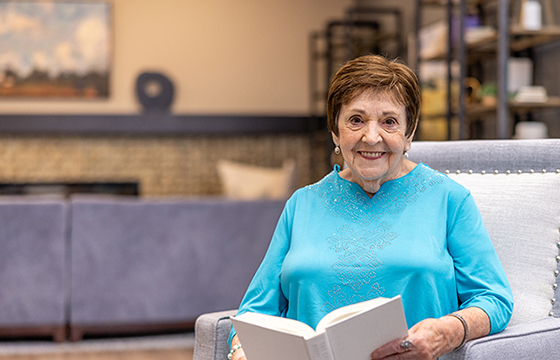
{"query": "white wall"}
[(225, 57)]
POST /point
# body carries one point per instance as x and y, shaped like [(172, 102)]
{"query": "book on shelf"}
[(351, 332), (531, 94)]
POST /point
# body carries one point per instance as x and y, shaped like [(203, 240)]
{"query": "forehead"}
[(371, 100)]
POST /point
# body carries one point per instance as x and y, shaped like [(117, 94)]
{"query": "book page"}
[(318, 348), (277, 323), (357, 336), (261, 343), (266, 337), (348, 311)]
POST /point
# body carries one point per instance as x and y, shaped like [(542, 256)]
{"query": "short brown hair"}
[(378, 74)]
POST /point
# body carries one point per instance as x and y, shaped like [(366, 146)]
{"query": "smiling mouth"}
[(371, 154)]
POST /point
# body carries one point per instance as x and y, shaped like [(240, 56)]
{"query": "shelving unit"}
[(494, 46), (340, 41), (359, 32), (449, 56), (514, 106)]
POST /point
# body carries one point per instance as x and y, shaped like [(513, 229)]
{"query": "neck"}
[(371, 186)]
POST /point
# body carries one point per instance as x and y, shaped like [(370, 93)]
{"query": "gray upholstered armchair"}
[(516, 184)]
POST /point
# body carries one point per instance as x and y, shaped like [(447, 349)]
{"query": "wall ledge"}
[(156, 124)]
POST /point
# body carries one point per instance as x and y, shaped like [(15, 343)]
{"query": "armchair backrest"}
[(516, 184), (488, 155)]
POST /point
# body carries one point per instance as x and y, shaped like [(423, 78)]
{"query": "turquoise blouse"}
[(420, 236)]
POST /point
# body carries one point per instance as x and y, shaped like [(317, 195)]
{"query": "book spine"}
[(318, 347)]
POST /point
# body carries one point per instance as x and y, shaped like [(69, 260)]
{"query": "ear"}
[(335, 139), (408, 143), (410, 137)]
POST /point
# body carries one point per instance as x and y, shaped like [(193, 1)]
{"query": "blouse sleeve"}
[(481, 280), (264, 294)]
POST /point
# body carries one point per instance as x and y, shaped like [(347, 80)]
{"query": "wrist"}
[(234, 350), (465, 327)]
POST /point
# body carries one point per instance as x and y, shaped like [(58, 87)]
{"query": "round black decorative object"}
[(154, 91)]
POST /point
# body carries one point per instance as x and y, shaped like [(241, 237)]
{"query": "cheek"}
[(395, 139), (347, 139)]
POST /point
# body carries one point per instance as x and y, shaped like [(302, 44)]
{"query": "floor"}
[(162, 347), (127, 355)]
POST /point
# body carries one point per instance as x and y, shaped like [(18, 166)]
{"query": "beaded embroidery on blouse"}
[(358, 242)]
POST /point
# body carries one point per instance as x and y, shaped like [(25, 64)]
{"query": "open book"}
[(348, 333)]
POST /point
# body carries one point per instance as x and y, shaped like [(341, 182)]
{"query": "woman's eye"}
[(391, 122), (355, 121)]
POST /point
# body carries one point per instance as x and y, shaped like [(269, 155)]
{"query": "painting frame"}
[(55, 49)]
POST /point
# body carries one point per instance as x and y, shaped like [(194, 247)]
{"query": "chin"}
[(369, 175)]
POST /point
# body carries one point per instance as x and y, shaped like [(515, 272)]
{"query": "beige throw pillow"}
[(249, 182)]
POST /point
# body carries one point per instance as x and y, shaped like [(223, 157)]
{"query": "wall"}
[(247, 57), (225, 57)]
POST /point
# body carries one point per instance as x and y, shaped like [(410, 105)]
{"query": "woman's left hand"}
[(428, 340)]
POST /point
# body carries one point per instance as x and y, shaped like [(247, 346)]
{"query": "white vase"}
[(531, 18)]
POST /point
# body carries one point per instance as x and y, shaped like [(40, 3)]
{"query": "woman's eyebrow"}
[(384, 113), (358, 110), (395, 111)]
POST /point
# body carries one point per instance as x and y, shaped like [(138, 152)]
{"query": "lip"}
[(371, 155)]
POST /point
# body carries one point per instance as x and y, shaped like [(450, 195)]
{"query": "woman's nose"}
[(372, 133)]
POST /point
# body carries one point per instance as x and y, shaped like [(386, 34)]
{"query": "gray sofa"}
[(516, 184), (108, 265), (33, 277), (161, 263)]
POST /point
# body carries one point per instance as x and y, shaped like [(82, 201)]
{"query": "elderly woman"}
[(383, 226)]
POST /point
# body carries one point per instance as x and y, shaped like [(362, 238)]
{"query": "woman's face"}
[(371, 137)]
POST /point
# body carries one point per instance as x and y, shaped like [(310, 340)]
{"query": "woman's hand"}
[(432, 338), (239, 354), (428, 339)]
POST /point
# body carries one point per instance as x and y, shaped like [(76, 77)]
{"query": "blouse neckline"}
[(413, 172)]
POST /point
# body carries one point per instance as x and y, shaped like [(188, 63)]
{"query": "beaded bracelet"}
[(465, 328), (234, 348)]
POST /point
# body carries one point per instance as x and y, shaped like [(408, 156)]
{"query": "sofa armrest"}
[(211, 333), (534, 340)]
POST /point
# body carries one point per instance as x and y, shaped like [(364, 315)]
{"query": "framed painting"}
[(55, 49)]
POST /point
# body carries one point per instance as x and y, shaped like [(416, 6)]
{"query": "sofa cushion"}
[(522, 215), (33, 261)]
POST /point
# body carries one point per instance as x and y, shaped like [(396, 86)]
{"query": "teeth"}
[(371, 154)]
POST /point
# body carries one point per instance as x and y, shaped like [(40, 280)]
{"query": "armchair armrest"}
[(211, 334), (534, 340)]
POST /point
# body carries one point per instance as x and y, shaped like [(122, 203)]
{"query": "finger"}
[(392, 348), (406, 344), (239, 355)]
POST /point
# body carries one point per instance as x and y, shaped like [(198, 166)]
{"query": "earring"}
[(405, 155), (337, 150)]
